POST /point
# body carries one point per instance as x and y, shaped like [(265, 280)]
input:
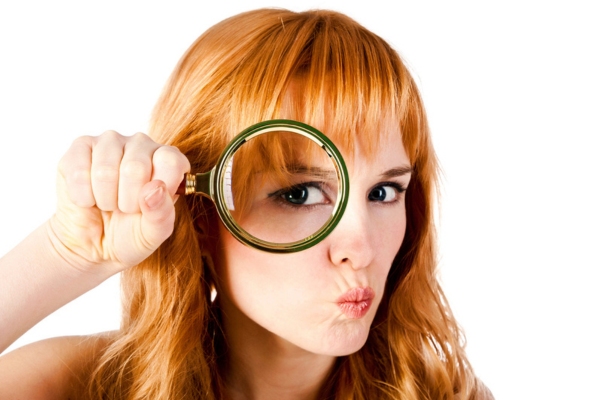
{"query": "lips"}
[(356, 302)]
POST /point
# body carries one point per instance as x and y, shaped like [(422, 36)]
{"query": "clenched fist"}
[(116, 199)]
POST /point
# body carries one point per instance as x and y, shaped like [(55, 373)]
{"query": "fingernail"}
[(155, 197)]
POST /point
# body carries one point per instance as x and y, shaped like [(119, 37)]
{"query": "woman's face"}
[(324, 299)]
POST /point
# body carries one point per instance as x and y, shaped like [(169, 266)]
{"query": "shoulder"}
[(53, 368)]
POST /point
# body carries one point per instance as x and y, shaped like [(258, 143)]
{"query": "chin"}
[(343, 342), (344, 349)]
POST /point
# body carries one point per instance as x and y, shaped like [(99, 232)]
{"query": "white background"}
[(512, 89)]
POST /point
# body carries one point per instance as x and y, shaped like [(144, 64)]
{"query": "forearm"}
[(36, 280), (114, 209)]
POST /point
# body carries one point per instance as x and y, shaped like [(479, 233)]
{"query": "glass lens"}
[(280, 187)]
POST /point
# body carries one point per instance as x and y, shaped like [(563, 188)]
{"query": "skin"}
[(115, 207), (55, 368), (281, 313), (281, 317)]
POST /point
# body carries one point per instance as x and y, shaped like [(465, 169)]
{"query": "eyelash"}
[(400, 189), (277, 196)]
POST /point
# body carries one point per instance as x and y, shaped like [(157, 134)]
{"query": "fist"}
[(116, 199)]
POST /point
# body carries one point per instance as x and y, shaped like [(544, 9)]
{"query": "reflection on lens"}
[(227, 186), (280, 187)]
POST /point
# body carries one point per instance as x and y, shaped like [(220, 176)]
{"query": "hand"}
[(116, 199)]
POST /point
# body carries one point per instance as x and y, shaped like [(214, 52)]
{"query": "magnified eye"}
[(296, 195), (303, 195), (385, 193)]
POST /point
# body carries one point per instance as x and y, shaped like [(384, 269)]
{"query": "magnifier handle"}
[(187, 185), (195, 183)]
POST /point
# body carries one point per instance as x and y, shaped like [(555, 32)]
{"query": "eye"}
[(305, 194), (386, 193)]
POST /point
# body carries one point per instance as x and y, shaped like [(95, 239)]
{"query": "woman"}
[(359, 315)]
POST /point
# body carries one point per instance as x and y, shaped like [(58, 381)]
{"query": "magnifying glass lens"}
[(280, 187)]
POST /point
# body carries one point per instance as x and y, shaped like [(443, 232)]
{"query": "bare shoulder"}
[(54, 368)]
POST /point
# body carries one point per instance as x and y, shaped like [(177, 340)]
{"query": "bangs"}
[(318, 67), (325, 70), (348, 120), (347, 84)]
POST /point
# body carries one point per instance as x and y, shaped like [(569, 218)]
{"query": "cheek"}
[(390, 231), (264, 285), (293, 295)]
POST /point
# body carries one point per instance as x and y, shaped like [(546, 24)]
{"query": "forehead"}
[(356, 128), (387, 153)]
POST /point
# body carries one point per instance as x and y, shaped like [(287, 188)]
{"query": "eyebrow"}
[(331, 174), (398, 171), (313, 171)]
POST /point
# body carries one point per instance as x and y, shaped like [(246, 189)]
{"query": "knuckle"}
[(105, 173), (72, 174), (167, 156), (110, 135), (77, 177), (78, 149), (135, 170), (140, 137), (82, 140), (172, 157)]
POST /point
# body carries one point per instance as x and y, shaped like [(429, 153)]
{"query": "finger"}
[(158, 214), (169, 166), (135, 171), (74, 173), (106, 159)]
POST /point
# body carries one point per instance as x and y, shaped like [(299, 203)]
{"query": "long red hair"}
[(353, 86)]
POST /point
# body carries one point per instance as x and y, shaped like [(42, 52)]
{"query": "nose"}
[(352, 241)]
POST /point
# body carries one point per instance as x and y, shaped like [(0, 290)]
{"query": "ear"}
[(209, 274)]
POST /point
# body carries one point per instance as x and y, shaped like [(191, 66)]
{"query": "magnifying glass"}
[(280, 186)]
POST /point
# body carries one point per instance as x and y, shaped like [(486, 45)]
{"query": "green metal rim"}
[(278, 125)]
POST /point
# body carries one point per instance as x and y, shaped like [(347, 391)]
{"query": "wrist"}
[(67, 258)]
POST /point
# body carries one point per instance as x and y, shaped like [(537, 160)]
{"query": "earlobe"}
[(209, 277)]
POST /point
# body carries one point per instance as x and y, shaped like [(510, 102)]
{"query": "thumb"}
[(158, 214)]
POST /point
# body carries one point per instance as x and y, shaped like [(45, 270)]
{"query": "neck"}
[(261, 365)]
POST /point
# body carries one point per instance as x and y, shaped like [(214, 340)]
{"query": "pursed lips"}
[(356, 302)]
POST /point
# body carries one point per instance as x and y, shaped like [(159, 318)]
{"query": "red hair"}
[(354, 86)]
